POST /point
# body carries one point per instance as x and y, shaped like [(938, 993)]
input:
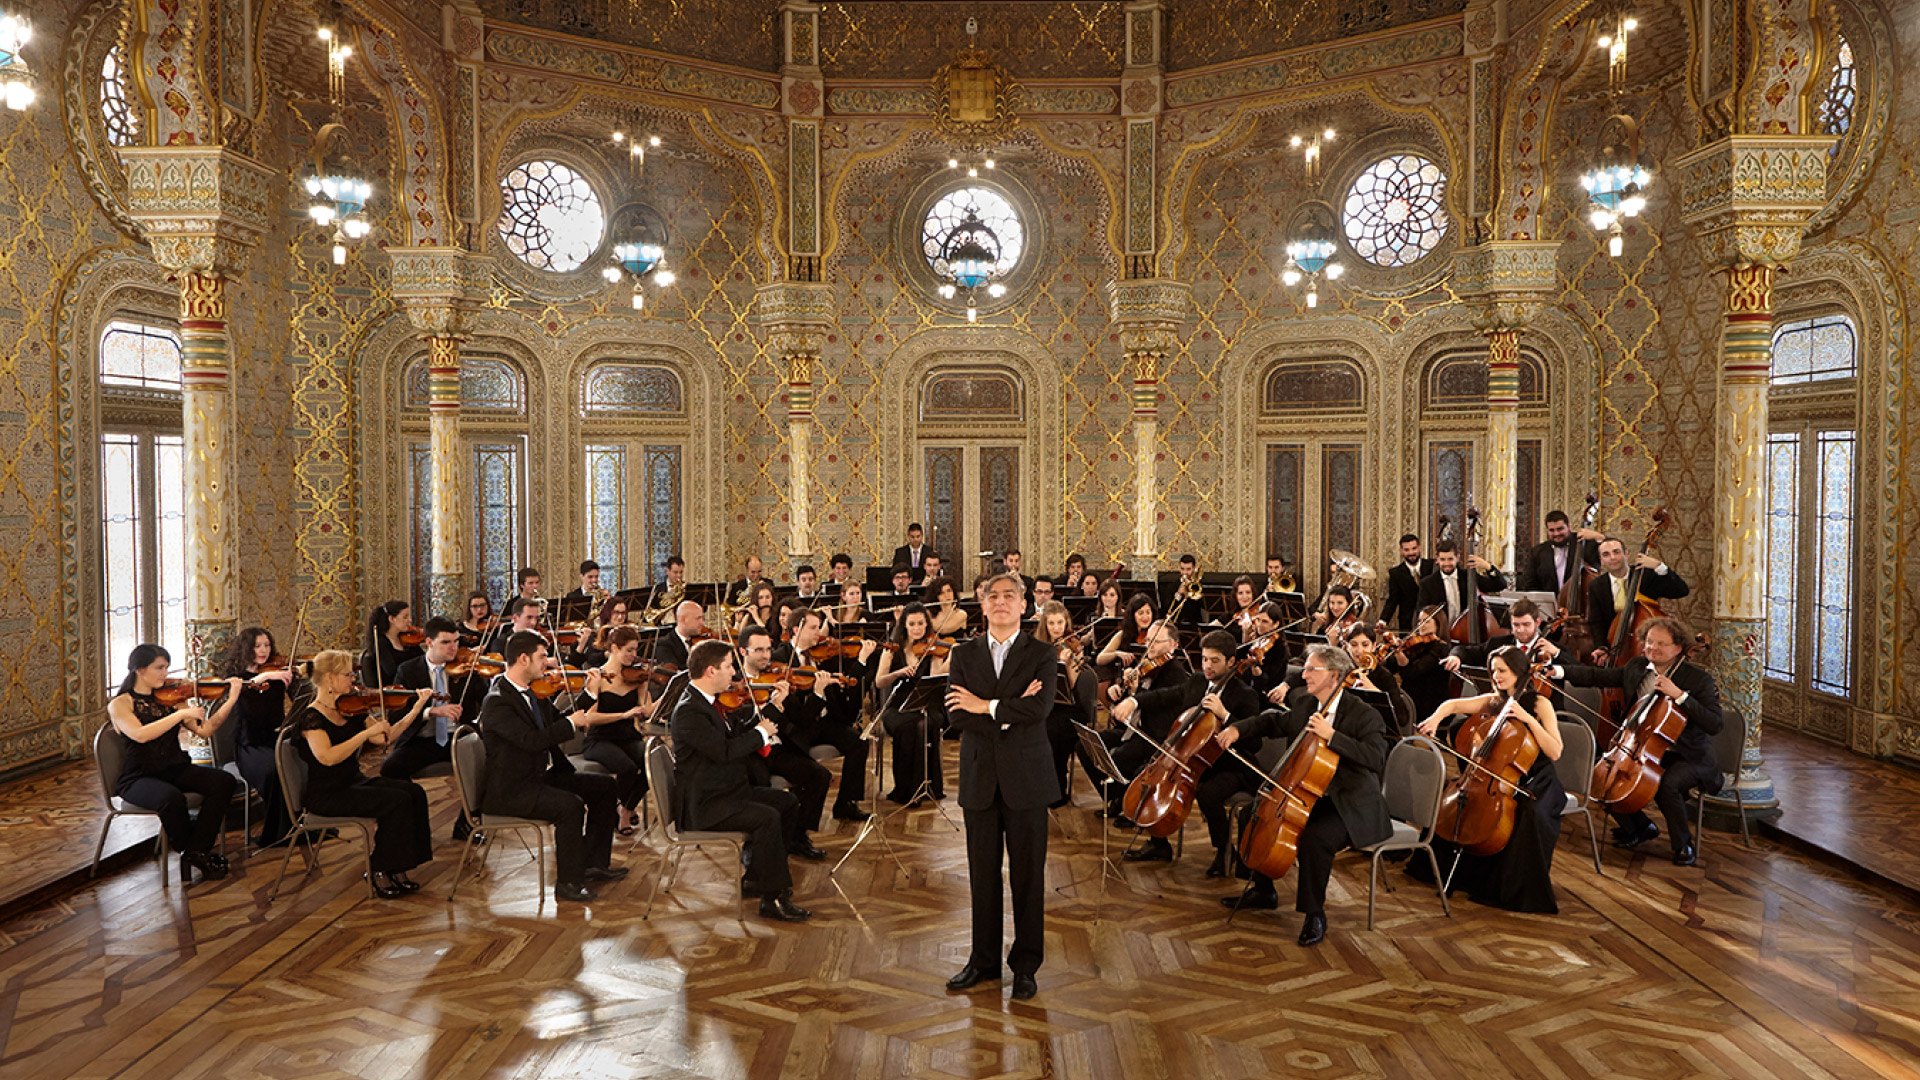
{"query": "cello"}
[(1161, 796), (1478, 808), (1271, 841), (1627, 776), (1623, 642), (1572, 598)]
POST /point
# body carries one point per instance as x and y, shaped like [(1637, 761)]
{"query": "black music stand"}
[(917, 694), (1096, 750), (573, 610)]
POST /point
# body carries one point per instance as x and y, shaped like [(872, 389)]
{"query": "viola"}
[(1628, 774), (1161, 796), (1270, 843), (467, 662), (551, 682), (1479, 807), (413, 636)]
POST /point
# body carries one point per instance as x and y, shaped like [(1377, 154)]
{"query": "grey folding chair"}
[(1415, 779), (469, 783), (226, 759), (110, 758), (1727, 748), (1575, 770), (660, 781), (293, 789)]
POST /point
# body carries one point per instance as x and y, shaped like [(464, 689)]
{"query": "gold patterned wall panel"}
[(1071, 39), (1202, 32)]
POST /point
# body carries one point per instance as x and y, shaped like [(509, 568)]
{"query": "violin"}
[(1257, 651), (1479, 807), (656, 671), (1623, 644), (801, 678), (837, 649), (551, 682), (1161, 796), (466, 662), (1628, 774), (1270, 843), (359, 701), (740, 694), (1398, 646), (177, 692), (413, 636)]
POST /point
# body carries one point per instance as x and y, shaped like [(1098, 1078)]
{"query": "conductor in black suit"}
[(714, 789), (1663, 669), (1354, 811), (527, 775), (912, 554), (1607, 593), (1403, 585), (1000, 690), (1560, 556)]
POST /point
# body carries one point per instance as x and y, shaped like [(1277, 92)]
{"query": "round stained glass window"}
[(993, 210), (123, 124), (551, 218), (1396, 210)]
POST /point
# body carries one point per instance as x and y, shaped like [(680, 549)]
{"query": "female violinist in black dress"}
[(1418, 666), (916, 734), (391, 641), (617, 745), (1077, 685), (158, 774), (1520, 876), (478, 623), (260, 710)]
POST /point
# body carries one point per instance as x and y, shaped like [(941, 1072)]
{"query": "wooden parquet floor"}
[(1757, 964), (1860, 810)]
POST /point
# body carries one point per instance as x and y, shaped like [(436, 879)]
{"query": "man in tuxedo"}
[(1559, 556), (787, 758), (930, 567), (689, 622), (912, 555), (1607, 593), (585, 598), (430, 742), (1353, 813), (527, 581), (806, 584), (1447, 585), (523, 616), (741, 591), (528, 775), (1403, 585), (839, 569), (830, 714), (1663, 669), (1523, 621), (714, 789), (1000, 690)]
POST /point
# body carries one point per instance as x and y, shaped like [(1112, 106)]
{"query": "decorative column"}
[(1748, 198), (201, 208), (441, 290), (799, 317), (803, 102), (1148, 315), (1505, 281)]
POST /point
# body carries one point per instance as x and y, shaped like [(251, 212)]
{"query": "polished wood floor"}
[(1756, 964)]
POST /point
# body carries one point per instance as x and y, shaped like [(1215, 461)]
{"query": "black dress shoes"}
[(1157, 850), (200, 860), (1218, 867), (807, 851), (405, 883), (1024, 987), (1685, 856), (1314, 930), (579, 894), (849, 812), (971, 976), (1253, 901), (1633, 838), (606, 873), (781, 909)]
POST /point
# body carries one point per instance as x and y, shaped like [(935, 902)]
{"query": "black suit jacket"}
[(1360, 738), (710, 761), (1403, 594), (523, 741), (1006, 753), (1433, 589), (669, 649), (1537, 573), (469, 693), (1653, 586), (1702, 707), (1163, 705), (903, 555)]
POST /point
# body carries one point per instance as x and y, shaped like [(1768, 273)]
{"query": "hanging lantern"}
[(17, 82)]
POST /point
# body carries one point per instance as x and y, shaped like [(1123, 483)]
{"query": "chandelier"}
[(640, 252), (16, 79), (1616, 184), (1311, 256), (969, 261), (337, 193)]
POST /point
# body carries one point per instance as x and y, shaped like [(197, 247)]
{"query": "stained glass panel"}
[(1340, 495), (1459, 381), (497, 479), (1449, 471), (1815, 350), (944, 499), (1843, 90), (1526, 496), (121, 576), (1783, 554), (1396, 210), (993, 210), (630, 388), (971, 395), (486, 382), (550, 217), (420, 523), (1313, 386), (606, 511), (663, 506), (1000, 497), (1833, 565), (140, 356), (116, 111), (1284, 467), (170, 539)]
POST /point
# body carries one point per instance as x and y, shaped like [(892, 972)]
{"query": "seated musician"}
[(830, 715), (1447, 585), (806, 583), (159, 775), (933, 567), (589, 594), (742, 586), (1246, 603), (1042, 591), (616, 744), (384, 651), (1519, 877), (593, 648), (1364, 641), (1128, 644), (523, 617), (1338, 599), (852, 606), (1269, 675), (1076, 697), (916, 733), (902, 584), (715, 790), (758, 610), (807, 779), (1607, 594), (1418, 660), (478, 624), (689, 628), (1663, 669), (943, 606), (839, 571), (412, 748), (1353, 812), (528, 776), (1523, 633), (1076, 571)]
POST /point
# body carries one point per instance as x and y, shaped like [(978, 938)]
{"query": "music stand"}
[(1096, 750), (917, 694), (573, 610)]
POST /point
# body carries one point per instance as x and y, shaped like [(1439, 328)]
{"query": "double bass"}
[(1476, 621), (1572, 598), (1161, 796), (1623, 640), (1627, 776), (1271, 841)]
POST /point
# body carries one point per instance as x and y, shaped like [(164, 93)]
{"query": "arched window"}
[(613, 388), (487, 384), (1313, 418), (1843, 91), (140, 356), (143, 519), (550, 217), (1396, 210), (972, 395), (493, 393), (1459, 381), (116, 107), (1453, 405), (1815, 350), (1298, 386)]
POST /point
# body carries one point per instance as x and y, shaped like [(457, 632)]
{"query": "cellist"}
[(1607, 594), (1662, 668), (1353, 813)]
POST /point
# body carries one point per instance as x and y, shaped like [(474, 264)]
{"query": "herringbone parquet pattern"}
[(1759, 964)]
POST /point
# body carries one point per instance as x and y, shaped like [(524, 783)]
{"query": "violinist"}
[(807, 779), (1246, 604), (1127, 644), (1213, 688), (1558, 557), (1520, 876), (391, 640), (943, 608), (331, 741), (478, 624), (158, 774), (1447, 585), (1078, 696), (689, 628), (1362, 642), (528, 776), (1338, 600), (1110, 606), (1418, 661), (523, 617), (1268, 673), (830, 715), (1523, 621), (259, 709), (593, 649), (1607, 594), (616, 744), (916, 735), (1353, 813), (1159, 668), (1663, 669), (413, 748)]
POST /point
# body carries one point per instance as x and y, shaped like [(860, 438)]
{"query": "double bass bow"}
[(1270, 842)]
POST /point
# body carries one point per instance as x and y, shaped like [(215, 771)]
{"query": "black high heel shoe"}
[(197, 860), (385, 888), (404, 882)]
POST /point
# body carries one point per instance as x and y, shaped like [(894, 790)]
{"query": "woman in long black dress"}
[(1418, 666), (1520, 876), (916, 734), (331, 742), (617, 745), (1076, 698), (384, 648), (260, 710), (158, 774)]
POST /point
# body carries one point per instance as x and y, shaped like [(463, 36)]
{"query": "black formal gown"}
[(159, 776), (260, 712), (402, 837), (1520, 876), (618, 748)]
